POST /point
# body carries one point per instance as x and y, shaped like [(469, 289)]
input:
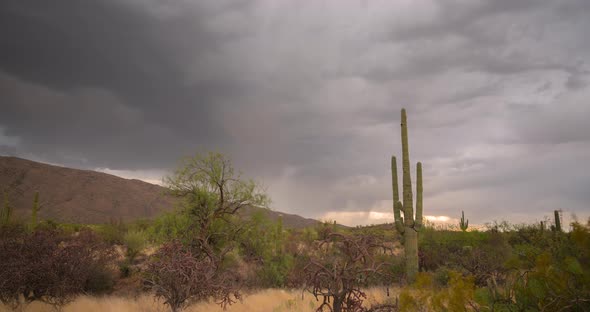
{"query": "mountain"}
[(85, 196)]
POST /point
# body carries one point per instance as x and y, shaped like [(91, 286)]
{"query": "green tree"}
[(212, 193)]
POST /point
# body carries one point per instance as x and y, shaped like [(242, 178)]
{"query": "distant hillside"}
[(85, 196), (73, 195)]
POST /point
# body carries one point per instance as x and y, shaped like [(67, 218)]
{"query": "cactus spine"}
[(463, 224), (408, 225), (557, 221)]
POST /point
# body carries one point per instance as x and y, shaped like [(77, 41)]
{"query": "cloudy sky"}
[(305, 97)]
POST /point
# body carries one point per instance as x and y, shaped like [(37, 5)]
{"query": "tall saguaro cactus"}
[(408, 225)]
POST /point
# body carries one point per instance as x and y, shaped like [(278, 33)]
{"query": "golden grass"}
[(270, 300)]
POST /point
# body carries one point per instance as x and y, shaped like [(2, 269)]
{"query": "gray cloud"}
[(305, 96)]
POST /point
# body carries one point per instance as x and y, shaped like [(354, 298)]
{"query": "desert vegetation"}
[(204, 256)]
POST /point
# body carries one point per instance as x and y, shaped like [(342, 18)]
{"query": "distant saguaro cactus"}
[(35, 211), (6, 212), (557, 221), (463, 224), (408, 225)]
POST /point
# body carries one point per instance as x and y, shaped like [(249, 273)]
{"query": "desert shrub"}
[(263, 244), (548, 273), (49, 266), (100, 280), (112, 232), (426, 295), (397, 268), (125, 269), (480, 254), (179, 276), (168, 226), (339, 269), (487, 260), (441, 276), (135, 241)]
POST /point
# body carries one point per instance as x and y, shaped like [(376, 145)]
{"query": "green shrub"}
[(135, 241), (426, 295), (442, 276), (111, 233)]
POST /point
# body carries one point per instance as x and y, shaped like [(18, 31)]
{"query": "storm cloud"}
[(305, 96)]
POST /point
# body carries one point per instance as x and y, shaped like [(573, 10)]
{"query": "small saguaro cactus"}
[(6, 212), (35, 211), (557, 221), (408, 225), (463, 224)]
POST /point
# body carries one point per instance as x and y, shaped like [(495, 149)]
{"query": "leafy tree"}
[(211, 194)]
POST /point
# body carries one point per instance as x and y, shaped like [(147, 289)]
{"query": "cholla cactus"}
[(463, 224), (408, 225)]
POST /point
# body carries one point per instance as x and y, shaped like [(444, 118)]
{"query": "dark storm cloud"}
[(305, 96), (98, 64)]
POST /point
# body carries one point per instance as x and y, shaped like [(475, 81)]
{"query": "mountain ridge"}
[(87, 196)]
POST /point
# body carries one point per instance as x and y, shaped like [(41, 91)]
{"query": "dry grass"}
[(271, 300)]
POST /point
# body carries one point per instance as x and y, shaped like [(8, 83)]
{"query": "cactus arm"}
[(397, 205), (394, 180), (418, 220), (399, 220), (407, 180)]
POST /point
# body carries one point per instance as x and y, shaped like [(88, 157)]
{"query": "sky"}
[(305, 97)]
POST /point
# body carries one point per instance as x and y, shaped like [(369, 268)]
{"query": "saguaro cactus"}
[(408, 225), (463, 224), (35, 211), (557, 221), (6, 212)]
